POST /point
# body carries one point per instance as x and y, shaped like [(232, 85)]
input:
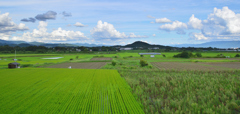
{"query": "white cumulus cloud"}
[(41, 35), (106, 31), (163, 20), (7, 25), (197, 36), (77, 24), (175, 26), (195, 23), (154, 35)]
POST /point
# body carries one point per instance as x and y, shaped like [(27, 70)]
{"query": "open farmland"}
[(234, 65), (101, 59), (84, 65), (186, 66), (65, 91), (185, 92)]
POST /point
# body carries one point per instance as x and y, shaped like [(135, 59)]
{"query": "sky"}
[(120, 22)]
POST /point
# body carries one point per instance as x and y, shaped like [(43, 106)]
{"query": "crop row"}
[(65, 91)]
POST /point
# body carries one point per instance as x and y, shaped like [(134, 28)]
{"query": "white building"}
[(126, 48)]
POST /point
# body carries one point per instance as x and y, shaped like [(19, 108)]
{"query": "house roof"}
[(14, 63)]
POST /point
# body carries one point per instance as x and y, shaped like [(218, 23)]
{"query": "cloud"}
[(149, 16), (154, 35), (224, 21), (175, 26), (163, 20), (77, 24), (46, 16), (28, 20), (8, 26), (58, 35), (65, 14), (195, 23), (106, 31), (197, 36), (221, 24)]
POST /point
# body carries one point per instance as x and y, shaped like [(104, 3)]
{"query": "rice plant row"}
[(65, 91)]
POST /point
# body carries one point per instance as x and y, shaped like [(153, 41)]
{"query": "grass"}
[(185, 91), (65, 91)]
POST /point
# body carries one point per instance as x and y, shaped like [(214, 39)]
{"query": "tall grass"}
[(185, 91)]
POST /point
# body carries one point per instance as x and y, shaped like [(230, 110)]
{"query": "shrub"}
[(150, 66), (76, 57), (220, 56), (198, 54), (163, 55), (184, 55), (115, 56), (114, 63), (26, 65), (124, 67), (71, 59), (143, 63), (19, 59), (131, 56), (237, 55), (141, 56)]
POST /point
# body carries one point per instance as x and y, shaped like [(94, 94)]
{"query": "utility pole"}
[(15, 56)]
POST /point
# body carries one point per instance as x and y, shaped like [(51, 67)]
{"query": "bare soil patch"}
[(85, 65), (185, 66), (101, 59), (234, 65)]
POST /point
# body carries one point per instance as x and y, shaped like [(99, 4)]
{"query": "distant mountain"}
[(90, 45), (144, 44), (217, 44), (25, 44)]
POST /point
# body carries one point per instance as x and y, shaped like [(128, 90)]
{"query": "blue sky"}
[(120, 22)]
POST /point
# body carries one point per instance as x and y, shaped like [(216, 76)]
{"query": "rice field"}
[(83, 65), (65, 91)]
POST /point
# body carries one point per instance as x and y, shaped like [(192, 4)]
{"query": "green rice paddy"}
[(65, 91)]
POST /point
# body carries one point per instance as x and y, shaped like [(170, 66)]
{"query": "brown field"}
[(186, 66), (234, 65), (101, 59), (89, 65)]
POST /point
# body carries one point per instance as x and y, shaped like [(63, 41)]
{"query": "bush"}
[(220, 56), (150, 66), (26, 65), (143, 63), (115, 56), (131, 56), (184, 55), (198, 54), (76, 57), (114, 63), (141, 56), (163, 55), (237, 55), (19, 59), (71, 59)]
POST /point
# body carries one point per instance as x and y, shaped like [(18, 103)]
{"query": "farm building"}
[(152, 54), (13, 65), (126, 48)]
